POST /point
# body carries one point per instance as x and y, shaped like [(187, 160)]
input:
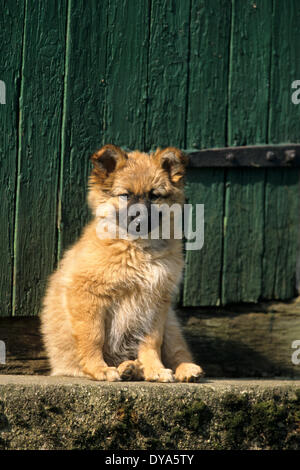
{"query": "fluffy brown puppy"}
[(107, 312)]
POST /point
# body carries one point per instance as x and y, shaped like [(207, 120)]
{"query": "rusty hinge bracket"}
[(256, 156)]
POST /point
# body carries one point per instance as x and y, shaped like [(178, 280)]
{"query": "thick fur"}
[(107, 312)]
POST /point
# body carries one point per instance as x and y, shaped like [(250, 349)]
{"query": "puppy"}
[(107, 312)]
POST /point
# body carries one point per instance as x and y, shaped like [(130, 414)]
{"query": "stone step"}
[(39, 412)]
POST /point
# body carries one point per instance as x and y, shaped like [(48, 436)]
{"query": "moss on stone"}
[(269, 423), (212, 415), (195, 416)]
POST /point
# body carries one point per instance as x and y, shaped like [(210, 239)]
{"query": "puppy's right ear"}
[(108, 159)]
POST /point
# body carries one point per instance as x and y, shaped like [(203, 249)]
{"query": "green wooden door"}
[(141, 74)]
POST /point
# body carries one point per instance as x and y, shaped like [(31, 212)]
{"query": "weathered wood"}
[(206, 127), (208, 74), (241, 341), (167, 73), (298, 250), (24, 348), (11, 34), (203, 267), (281, 235), (126, 73), (144, 73), (243, 236), (255, 342), (40, 127), (247, 124), (284, 122), (282, 188), (83, 111), (249, 72)]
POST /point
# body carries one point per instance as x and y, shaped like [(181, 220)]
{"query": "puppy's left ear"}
[(174, 161)]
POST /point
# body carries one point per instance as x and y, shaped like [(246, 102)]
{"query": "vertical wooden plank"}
[(247, 125), (206, 127), (284, 122), (243, 236), (126, 74), (249, 72), (208, 73), (11, 38), (84, 108), (203, 267), (281, 233), (40, 125), (282, 194), (167, 73)]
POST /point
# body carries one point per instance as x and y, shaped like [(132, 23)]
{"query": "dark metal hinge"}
[(256, 156)]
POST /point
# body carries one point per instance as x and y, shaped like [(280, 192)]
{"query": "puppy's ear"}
[(173, 161), (108, 159)]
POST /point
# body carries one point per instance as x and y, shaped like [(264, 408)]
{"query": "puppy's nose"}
[(140, 225), (136, 221)]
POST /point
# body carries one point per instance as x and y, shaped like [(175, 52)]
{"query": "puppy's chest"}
[(128, 321), (156, 276), (137, 298), (131, 315), (136, 307)]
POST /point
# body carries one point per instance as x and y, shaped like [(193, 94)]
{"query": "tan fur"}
[(107, 312)]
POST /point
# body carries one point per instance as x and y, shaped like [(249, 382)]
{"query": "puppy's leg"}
[(149, 353), (88, 328), (176, 353)]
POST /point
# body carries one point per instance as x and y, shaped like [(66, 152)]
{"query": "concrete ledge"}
[(39, 412)]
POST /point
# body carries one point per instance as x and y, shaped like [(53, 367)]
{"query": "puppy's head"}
[(137, 179)]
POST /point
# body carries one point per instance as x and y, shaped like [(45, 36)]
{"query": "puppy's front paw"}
[(130, 370), (109, 374), (188, 372), (158, 375)]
